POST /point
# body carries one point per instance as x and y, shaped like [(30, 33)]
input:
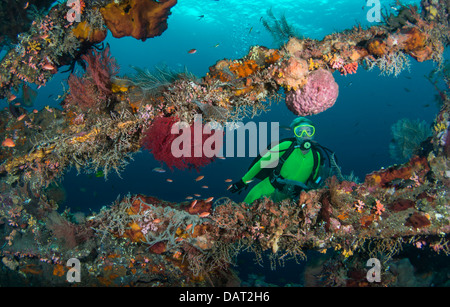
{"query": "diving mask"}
[(301, 131)]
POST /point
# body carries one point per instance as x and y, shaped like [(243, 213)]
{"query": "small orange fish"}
[(199, 178), (188, 227), (221, 158), (204, 214), (169, 180), (189, 197), (228, 180), (229, 187), (48, 67), (156, 221), (8, 143), (179, 239), (197, 195), (26, 5), (17, 104), (192, 51), (204, 186), (209, 199), (12, 97), (21, 117), (194, 202)]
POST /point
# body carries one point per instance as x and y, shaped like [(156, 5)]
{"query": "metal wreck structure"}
[(140, 240)]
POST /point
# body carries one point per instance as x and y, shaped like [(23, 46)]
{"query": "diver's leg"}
[(264, 188)]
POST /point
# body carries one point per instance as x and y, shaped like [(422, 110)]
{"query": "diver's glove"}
[(238, 186)]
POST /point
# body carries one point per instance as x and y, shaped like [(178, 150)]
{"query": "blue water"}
[(357, 127)]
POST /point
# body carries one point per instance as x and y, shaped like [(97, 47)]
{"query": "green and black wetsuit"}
[(299, 167)]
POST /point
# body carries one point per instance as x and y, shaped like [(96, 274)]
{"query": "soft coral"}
[(89, 90), (101, 67), (158, 139)]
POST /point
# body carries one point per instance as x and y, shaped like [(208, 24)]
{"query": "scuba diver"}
[(299, 166)]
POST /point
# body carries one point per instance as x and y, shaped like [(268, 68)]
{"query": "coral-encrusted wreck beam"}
[(232, 86), (146, 241), (65, 33), (388, 207), (16, 17)]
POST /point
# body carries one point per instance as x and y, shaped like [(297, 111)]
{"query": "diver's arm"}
[(269, 158)]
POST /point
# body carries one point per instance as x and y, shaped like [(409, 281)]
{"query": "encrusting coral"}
[(291, 74), (54, 40), (84, 32)]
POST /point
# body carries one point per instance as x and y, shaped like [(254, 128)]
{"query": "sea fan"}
[(158, 139), (93, 88), (407, 137), (101, 67)]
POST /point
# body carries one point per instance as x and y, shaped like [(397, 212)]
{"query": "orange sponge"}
[(140, 19), (83, 31), (377, 47)]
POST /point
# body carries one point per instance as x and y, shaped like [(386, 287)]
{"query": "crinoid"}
[(279, 28)]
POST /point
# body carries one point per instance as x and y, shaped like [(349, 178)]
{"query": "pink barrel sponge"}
[(319, 93)]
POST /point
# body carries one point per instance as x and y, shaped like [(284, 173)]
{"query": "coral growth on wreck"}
[(92, 89), (165, 137)]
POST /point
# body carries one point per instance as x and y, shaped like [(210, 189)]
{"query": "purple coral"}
[(319, 94), (101, 67)]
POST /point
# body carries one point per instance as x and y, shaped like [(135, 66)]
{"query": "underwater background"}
[(357, 128)]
